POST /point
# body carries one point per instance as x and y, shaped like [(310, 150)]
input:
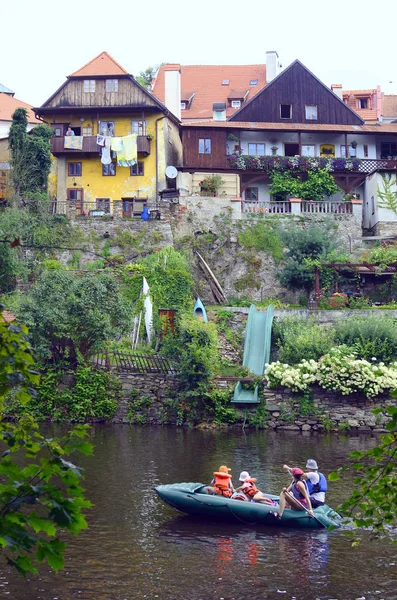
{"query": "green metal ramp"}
[(256, 350)]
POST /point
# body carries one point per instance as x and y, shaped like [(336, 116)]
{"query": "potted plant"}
[(210, 185), (274, 146)]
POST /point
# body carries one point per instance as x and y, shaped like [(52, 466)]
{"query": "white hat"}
[(311, 464), (244, 475)]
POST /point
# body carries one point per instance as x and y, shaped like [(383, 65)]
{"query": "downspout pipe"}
[(157, 156)]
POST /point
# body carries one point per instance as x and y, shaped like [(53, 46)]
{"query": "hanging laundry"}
[(116, 144), (100, 140), (122, 161), (130, 147), (73, 142), (106, 159)]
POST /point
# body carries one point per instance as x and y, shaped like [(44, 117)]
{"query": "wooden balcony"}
[(91, 147), (301, 164)]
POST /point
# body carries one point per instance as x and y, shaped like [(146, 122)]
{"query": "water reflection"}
[(138, 548)]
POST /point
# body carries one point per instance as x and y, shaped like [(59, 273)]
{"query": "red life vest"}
[(222, 484), (251, 489)]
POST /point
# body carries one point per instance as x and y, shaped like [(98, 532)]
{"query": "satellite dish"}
[(171, 172)]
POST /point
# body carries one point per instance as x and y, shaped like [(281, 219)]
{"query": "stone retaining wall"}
[(150, 399)]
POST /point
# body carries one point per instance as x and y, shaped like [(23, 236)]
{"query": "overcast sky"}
[(353, 43)]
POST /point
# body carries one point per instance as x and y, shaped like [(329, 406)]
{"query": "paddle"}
[(304, 508)]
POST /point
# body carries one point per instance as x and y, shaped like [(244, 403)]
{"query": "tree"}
[(30, 157), (318, 185), (70, 318), (40, 494), (305, 245), (373, 502), (145, 77), (387, 197)]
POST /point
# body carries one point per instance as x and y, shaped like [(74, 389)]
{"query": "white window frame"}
[(352, 151), (311, 112), (112, 85), (183, 105), (313, 154), (257, 147), (204, 146), (236, 103), (138, 126), (89, 86)]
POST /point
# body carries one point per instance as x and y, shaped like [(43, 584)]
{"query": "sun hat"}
[(311, 464), (224, 469), (244, 475), (297, 472)]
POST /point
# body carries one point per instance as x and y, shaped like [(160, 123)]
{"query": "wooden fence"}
[(133, 362)]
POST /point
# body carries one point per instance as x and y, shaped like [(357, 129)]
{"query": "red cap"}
[(297, 472)]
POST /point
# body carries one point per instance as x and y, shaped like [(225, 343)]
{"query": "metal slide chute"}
[(256, 350)]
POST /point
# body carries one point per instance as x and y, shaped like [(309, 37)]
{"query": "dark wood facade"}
[(298, 88), (216, 159)]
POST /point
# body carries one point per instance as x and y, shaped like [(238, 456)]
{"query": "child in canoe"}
[(250, 490), (221, 483)]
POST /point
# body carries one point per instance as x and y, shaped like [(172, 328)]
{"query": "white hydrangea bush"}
[(337, 371)]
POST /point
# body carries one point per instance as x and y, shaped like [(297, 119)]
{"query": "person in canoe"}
[(296, 495), (221, 483), (250, 490), (316, 483)]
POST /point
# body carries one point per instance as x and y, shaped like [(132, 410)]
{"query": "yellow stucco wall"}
[(121, 185)]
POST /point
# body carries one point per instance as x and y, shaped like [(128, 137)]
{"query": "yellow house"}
[(112, 141)]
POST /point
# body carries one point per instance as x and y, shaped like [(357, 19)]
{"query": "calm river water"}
[(138, 548)]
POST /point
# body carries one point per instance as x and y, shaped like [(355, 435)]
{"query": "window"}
[(204, 146), (285, 111), (236, 103), (311, 112), (74, 169), (112, 85), (352, 152), (89, 85), (109, 170), (254, 82), (365, 150), (363, 103), (256, 149), (75, 194), (106, 128), (219, 115), (138, 127), (58, 131), (137, 169), (388, 150), (308, 150), (103, 204), (86, 130), (251, 194), (225, 82), (183, 105)]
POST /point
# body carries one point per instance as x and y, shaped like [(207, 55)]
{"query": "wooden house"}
[(298, 123), (112, 141)]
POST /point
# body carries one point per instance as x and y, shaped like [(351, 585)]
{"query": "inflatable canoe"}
[(190, 498)]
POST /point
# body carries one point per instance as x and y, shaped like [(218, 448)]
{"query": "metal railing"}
[(134, 362)]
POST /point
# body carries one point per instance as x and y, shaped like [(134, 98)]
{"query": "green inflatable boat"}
[(190, 498)]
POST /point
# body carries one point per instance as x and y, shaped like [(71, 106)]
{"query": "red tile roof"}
[(103, 64), (8, 104), (206, 83), (378, 128)]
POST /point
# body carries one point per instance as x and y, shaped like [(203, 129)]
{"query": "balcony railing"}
[(300, 164), (89, 146), (307, 207)]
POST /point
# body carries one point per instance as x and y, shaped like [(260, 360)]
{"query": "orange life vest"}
[(251, 489), (222, 484)]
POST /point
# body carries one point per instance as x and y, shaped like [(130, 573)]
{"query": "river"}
[(138, 548)]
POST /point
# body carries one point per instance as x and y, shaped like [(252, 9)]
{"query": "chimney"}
[(379, 104), (337, 89), (273, 66), (172, 87)]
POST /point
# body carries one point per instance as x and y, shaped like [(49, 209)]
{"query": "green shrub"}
[(370, 337), (299, 339), (262, 236)]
